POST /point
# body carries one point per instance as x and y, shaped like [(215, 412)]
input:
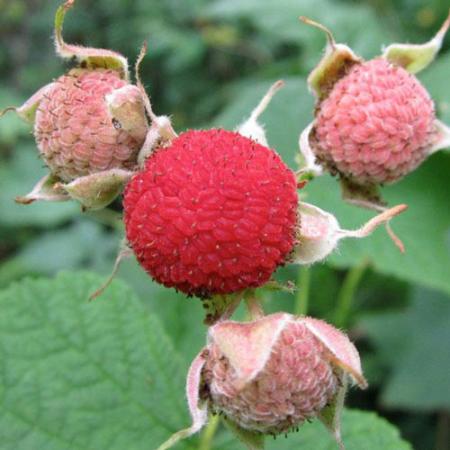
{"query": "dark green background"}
[(208, 64)]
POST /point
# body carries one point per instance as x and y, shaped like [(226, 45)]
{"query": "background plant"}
[(79, 375)]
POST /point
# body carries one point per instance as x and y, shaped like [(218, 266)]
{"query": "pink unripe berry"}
[(75, 131), (270, 375), (376, 125), (375, 122), (297, 381), (90, 125)]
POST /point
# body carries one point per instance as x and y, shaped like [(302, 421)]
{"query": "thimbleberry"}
[(90, 125), (212, 213), (269, 375), (375, 122)]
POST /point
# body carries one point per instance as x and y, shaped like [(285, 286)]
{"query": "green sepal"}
[(91, 58), (47, 188), (99, 189), (335, 63), (252, 440), (416, 57), (28, 110)]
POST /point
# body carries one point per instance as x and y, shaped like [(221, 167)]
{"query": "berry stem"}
[(347, 293), (6, 110), (262, 105), (207, 437), (107, 217), (221, 307), (124, 253), (303, 289), (442, 430), (254, 308), (328, 33)]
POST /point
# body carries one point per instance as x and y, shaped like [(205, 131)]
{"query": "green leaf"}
[(413, 344), (436, 81), (181, 316), (80, 375), (82, 244), (278, 21), (361, 430), (424, 227), (104, 375), (17, 177)]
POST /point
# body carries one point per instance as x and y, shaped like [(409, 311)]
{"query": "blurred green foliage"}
[(97, 358), (209, 61)]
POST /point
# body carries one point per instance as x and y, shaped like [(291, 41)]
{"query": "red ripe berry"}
[(213, 213)]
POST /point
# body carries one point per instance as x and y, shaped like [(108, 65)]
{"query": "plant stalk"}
[(303, 288), (254, 308), (208, 433), (347, 293)]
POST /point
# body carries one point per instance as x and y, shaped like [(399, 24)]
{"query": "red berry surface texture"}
[(213, 213)]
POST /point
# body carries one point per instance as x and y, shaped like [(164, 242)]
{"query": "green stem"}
[(347, 293), (303, 287), (254, 309), (107, 217), (208, 433)]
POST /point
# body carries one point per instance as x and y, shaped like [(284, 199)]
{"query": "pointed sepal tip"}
[(88, 57), (47, 189), (338, 58), (251, 127), (416, 57), (198, 410), (319, 232)]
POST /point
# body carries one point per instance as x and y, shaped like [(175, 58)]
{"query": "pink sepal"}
[(248, 345), (343, 352), (199, 412)]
